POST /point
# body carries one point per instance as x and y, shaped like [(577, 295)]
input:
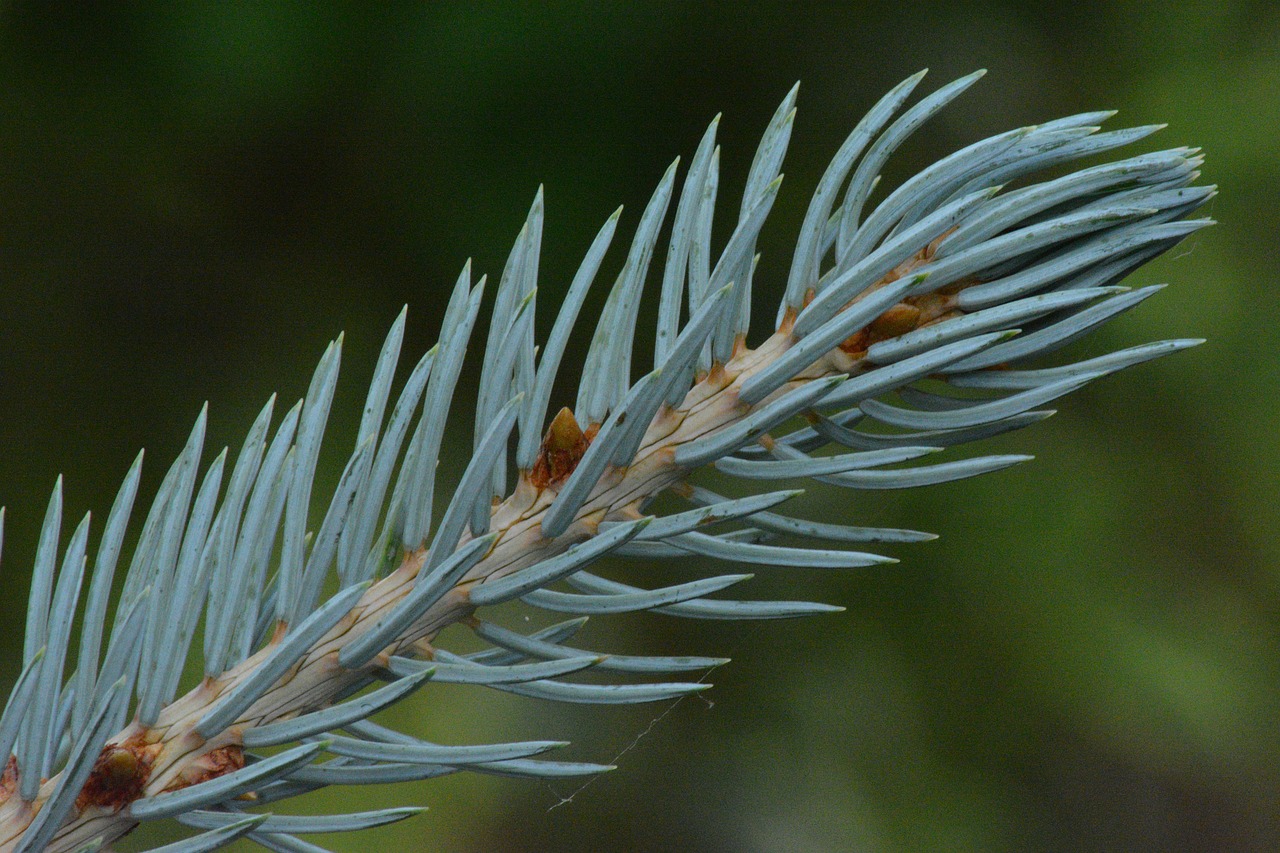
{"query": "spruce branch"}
[(954, 278)]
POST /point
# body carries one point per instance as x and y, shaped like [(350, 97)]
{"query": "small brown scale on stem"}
[(120, 773), (210, 765)]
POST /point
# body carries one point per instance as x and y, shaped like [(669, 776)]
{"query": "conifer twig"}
[(964, 276)]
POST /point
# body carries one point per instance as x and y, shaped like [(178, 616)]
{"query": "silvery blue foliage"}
[(964, 275)]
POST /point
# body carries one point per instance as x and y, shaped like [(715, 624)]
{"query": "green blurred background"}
[(195, 198)]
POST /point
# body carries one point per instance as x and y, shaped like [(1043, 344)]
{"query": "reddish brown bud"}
[(119, 774), (9, 779), (857, 343), (898, 320), (909, 314), (562, 449)]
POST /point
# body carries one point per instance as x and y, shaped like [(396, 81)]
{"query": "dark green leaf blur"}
[(194, 198)]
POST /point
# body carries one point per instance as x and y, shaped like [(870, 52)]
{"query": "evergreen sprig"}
[(952, 276)]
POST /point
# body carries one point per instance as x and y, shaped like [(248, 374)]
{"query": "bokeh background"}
[(194, 198)]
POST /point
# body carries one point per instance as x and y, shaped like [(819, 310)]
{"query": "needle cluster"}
[(906, 327)]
